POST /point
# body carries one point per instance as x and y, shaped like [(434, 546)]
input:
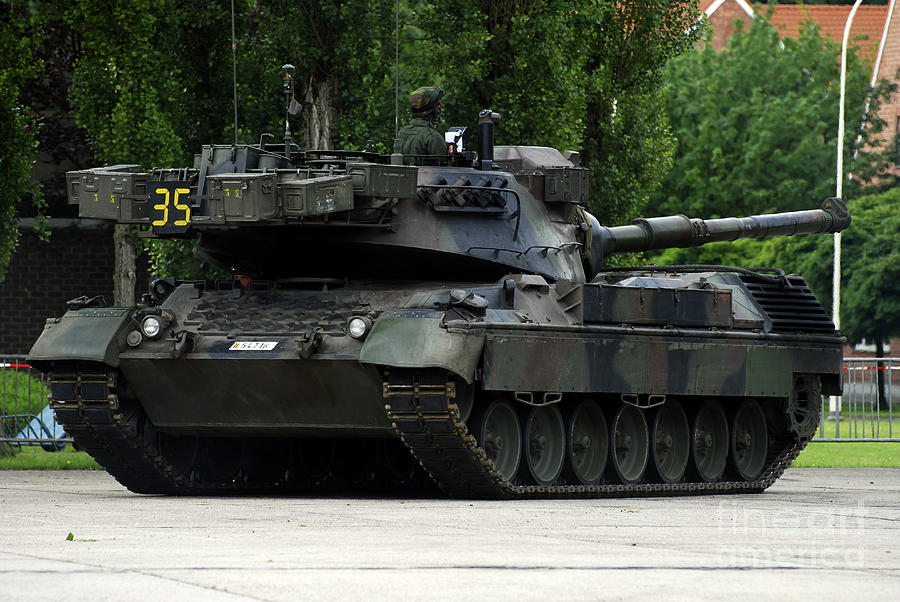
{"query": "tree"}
[(756, 125), (118, 86), (17, 127), (573, 75), (627, 140), (343, 53)]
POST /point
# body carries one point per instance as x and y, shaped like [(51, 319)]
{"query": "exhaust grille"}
[(790, 304)]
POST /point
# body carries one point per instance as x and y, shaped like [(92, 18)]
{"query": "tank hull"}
[(250, 389)]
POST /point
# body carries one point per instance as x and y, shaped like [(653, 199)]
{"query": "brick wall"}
[(722, 23), (890, 63), (77, 261)]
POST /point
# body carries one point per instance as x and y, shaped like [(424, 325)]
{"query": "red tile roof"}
[(869, 22)]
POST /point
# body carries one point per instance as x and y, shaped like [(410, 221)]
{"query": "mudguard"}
[(415, 339), (93, 334)]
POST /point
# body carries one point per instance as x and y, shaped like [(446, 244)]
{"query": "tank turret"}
[(406, 321)]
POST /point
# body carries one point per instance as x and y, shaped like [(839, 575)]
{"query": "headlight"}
[(359, 326), (152, 326)]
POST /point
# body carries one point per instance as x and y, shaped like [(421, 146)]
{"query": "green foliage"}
[(870, 281), (870, 276), (627, 141), (120, 80), (344, 55), (756, 124), (520, 59), (17, 127), (173, 257), (20, 395)]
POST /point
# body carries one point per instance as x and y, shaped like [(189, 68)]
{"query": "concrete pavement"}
[(817, 534)]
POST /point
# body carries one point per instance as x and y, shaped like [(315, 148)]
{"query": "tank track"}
[(424, 415), (87, 406), (118, 435)]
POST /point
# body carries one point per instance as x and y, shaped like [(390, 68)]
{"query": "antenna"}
[(396, 68), (291, 106), (234, 73)]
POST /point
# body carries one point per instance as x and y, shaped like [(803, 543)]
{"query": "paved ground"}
[(817, 534)]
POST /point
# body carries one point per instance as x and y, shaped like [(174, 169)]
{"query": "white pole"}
[(839, 187)]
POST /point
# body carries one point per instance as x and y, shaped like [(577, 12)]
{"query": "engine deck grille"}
[(791, 306)]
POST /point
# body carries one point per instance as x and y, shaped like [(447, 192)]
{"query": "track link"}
[(87, 405), (422, 411)]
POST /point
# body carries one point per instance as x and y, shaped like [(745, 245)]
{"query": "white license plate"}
[(253, 346)]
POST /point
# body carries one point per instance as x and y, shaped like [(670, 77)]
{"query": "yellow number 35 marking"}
[(164, 207)]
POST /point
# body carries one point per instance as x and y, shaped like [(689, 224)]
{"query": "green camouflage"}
[(419, 137), (424, 101)]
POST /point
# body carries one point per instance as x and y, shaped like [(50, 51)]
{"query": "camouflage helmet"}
[(425, 101)]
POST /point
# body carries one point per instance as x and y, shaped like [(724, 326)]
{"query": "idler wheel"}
[(749, 440), (803, 407), (498, 434), (709, 441), (544, 440), (587, 443), (671, 437), (630, 440)]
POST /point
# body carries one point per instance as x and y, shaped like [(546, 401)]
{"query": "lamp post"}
[(839, 180), (833, 401)]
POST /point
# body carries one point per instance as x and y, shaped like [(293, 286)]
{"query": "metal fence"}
[(861, 414), (865, 411), (25, 417)]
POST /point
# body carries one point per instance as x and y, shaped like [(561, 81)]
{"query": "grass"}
[(878, 427), (20, 393), (849, 455), (816, 455), (35, 458)]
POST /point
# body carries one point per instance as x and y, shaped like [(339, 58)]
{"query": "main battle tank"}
[(397, 321)]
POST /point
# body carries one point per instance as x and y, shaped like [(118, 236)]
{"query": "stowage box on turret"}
[(397, 321)]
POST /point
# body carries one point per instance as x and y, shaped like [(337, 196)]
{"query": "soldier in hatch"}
[(420, 136)]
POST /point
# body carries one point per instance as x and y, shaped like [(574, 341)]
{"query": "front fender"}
[(93, 334), (415, 339)]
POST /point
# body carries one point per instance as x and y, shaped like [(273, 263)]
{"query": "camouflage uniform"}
[(420, 137)]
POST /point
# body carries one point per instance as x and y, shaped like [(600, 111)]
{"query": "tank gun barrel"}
[(681, 231)]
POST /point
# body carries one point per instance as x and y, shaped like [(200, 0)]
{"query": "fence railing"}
[(25, 417), (863, 413)]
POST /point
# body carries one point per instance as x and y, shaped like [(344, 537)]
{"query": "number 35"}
[(164, 207)]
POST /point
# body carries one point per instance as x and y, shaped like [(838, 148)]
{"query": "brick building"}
[(875, 29), (78, 260)]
